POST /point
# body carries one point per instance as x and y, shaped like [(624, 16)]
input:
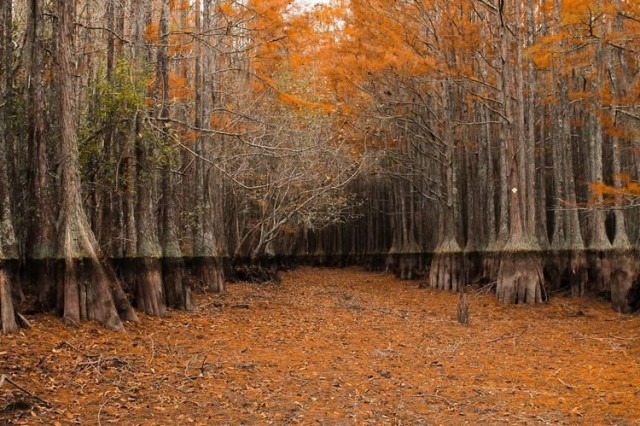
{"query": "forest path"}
[(333, 346)]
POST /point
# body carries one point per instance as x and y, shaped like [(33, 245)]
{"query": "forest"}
[(153, 148), (335, 212)]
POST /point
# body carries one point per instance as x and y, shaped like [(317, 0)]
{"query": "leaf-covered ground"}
[(332, 347)]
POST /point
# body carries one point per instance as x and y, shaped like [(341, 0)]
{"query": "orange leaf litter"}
[(334, 347)]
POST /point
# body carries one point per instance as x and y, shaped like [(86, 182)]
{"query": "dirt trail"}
[(332, 347)]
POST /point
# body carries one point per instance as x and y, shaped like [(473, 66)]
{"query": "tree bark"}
[(447, 266), (86, 290), (209, 200), (40, 244), (176, 287), (8, 245), (149, 294), (520, 277)]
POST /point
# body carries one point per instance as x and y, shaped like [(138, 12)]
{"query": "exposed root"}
[(374, 262), (210, 273), (623, 277), (257, 274), (447, 271), (600, 271), (567, 269), (149, 297), (86, 292), (177, 289), (408, 266), (120, 298), (490, 266), (7, 313), (40, 273), (578, 274), (389, 264), (319, 257), (520, 279)]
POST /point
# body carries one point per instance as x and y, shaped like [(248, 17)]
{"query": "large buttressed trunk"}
[(39, 244), (86, 289), (208, 247), (447, 270), (520, 276), (149, 293)]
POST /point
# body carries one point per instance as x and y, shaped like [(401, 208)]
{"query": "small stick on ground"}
[(214, 303), (243, 305), (153, 350), (5, 378), (24, 322), (463, 307), (204, 363), (508, 336), (567, 385), (80, 351)]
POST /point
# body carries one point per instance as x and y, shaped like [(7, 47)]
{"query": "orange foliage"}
[(335, 58), (178, 87), (219, 121), (625, 187), (227, 8), (151, 32), (190, 136), (298, 102)]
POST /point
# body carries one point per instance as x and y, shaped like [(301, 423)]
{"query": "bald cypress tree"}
[(87, 289)]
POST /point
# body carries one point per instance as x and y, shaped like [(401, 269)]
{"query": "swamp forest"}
[(164, 163), (452, 141)]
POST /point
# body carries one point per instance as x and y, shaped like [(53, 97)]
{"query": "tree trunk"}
[(447, 266), (176, 286), (520, 277), (567, 260), (129, 142), (208, 189), (86, 290), (40, 234), (8, 246), (599, 239), (407, 257), (149, 295), (621, 239)]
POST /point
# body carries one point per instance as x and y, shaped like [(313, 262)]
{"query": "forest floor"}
[(334, 347)]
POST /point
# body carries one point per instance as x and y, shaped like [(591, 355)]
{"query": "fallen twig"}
[(153, 350), (204, 362), (485, 289), (5, 378), (80, 351), (241, 306), (214, 303), (106, 362), (446, 400), (24, 322), (508, 336), (103, 404), (566, 384)]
